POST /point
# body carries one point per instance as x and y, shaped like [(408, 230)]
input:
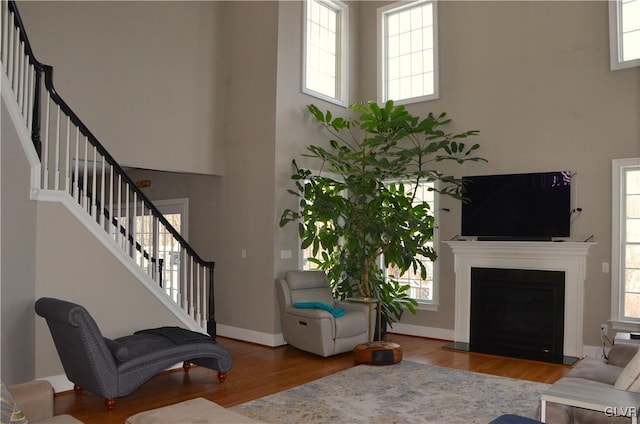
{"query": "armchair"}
[(115, 368), (317, 330)]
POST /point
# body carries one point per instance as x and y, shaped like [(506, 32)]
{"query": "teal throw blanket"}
[(336, 312)]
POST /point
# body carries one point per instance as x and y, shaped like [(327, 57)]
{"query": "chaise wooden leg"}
[(110, 404), (77, 389), (186, 366), (222, 376)]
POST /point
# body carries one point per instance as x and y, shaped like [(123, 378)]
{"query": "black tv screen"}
[(532, 206)]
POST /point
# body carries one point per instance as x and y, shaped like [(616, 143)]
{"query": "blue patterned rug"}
[(407, 392)]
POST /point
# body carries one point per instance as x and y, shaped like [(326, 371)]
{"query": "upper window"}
[(624, 23), (625, 283), (325, 61), (408, 54)]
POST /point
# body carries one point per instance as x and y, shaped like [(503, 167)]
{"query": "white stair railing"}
[(75, 163)]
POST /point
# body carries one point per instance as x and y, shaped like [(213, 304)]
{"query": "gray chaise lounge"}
[(115, 368)]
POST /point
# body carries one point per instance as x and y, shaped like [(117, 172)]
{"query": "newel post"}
[(211, 321)]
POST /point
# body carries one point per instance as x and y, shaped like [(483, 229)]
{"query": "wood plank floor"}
[(259, 371)]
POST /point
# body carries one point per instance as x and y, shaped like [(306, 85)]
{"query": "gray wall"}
[(246, 190), (17, 259), (143, 75)]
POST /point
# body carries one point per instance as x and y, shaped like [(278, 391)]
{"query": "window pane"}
[(631, 45), (633, 206), (632, 283), (393, 25), (630, 16), (632, 305), (632, 256), (632, 181), (633, 231)]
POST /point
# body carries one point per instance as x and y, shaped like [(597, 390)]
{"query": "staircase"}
[(72, 167)]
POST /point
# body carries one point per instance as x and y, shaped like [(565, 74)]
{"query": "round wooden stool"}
[(377, 353)]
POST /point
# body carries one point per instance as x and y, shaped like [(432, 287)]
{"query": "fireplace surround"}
[(567, 257)]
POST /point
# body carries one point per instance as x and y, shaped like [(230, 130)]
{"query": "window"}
[(625, 278), (424, 291), (421, 290), (152, 237), (325, 72), (407, 45), (168, 248), (624, 33)]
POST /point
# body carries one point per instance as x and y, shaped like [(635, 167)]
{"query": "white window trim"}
[(615, 48), (617, 267), (343, 68), (382, 77)]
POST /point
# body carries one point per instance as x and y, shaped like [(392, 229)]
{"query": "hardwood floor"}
[(259, 371)]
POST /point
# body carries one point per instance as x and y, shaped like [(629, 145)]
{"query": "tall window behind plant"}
[(421, 288), (360, 216)]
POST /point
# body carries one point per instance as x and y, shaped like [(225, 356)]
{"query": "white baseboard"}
[(420, 331), (266, 339), (61, 383)]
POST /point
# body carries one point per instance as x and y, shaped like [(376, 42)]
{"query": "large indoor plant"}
[(359, 212)]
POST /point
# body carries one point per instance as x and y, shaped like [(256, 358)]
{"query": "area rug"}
[(407, 392)]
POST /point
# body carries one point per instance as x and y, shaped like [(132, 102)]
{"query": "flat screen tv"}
[(532, 206)]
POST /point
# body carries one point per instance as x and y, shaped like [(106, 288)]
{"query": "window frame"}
[(615, 38), (618, 239), (383, 12), (342, 43)]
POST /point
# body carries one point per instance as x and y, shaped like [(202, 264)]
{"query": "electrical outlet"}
[(604, 329)]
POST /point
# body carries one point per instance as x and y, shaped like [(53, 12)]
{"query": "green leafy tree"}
[(360, 209)]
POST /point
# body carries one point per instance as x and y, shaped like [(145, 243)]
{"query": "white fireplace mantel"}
[(569, 257)]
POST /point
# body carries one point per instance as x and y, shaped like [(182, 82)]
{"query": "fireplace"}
[(567, 257), (517, 312)]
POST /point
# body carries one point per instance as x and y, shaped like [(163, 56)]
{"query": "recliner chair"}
[(317, 330)]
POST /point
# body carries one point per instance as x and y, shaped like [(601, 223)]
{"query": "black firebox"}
[(518, 313)]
